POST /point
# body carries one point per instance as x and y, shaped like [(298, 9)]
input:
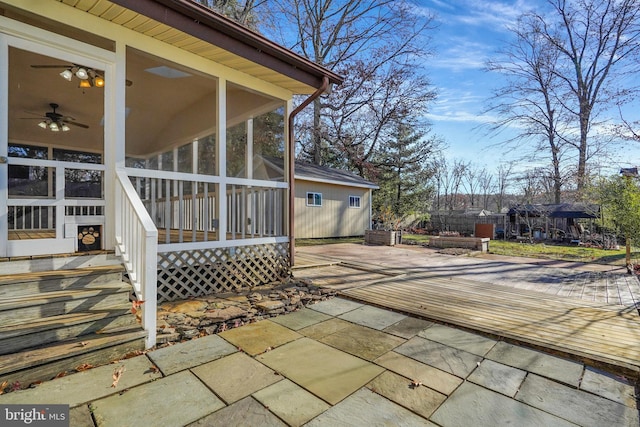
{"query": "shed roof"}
[(310, 172)]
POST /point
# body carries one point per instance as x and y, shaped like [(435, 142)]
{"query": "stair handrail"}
[(136, 238)]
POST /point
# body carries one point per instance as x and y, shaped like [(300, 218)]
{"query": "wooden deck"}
[(596, 333)]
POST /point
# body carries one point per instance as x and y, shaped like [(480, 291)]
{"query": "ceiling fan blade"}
[(51, 66), (80, 125), (31, 112)]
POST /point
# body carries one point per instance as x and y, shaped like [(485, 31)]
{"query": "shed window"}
[(354, 202), (314, 199)]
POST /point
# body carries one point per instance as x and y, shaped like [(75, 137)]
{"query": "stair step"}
[(13, 285), (57, 262), (28, 308), (44, 363), (14, 338)]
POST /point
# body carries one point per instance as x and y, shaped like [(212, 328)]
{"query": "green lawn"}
[(545, 250)]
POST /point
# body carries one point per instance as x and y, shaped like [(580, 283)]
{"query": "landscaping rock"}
[(184, 320)]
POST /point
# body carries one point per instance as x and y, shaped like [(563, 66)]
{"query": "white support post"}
[(221, 139)]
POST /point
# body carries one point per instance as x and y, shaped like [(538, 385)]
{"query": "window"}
[(354, 202), (314, 199)]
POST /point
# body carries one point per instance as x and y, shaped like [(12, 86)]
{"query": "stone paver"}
[(80, 416), (335, 306), (467, 341), (324, 371), (472, 405), (301, 319), (408, 327), (290, 402), (549, 366), (431, 377), (609, 386), (420, 399), (448, 359), (577, 406), (321, 330), (155, 404), (372, 317), (190, 353), (498, 377), (244, 413), (236, 376), (363, 342), (365, 408), (259, 337), (83, 387)]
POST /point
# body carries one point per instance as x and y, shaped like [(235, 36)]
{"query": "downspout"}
[(292, 156)]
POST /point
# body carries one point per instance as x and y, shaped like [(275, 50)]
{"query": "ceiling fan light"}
[(99, 81), (43, 124), (85, 83), (65, 128), (67, 74), (53, 126), (82, 74)]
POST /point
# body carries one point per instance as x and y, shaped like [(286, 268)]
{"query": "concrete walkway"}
[(341, 363)]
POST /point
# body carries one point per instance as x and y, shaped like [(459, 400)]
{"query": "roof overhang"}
[(243, 45), (186, 25), (336, 182)]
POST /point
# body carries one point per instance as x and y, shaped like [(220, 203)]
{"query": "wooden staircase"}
[(58, 314)]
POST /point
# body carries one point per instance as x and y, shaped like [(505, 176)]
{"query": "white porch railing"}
[(137, 243)]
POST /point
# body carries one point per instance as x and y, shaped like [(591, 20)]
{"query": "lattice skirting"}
[(186, 274)]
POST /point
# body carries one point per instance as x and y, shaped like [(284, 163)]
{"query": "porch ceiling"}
[(195, 29)]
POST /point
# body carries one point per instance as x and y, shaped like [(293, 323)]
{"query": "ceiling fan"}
[(55, 121), (87, 76)]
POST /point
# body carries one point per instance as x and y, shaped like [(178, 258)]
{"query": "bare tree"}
[(377, 45), (486, 185), (448, 179), (471, 182), (597, 41), (529, 101), (242, 12), (503, 183)]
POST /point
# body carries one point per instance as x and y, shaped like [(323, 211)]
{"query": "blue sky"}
[(469, 32)]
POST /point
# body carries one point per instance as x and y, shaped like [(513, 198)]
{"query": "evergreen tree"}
[(404, 165)]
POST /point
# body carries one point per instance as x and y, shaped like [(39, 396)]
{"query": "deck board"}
[(592, 331)]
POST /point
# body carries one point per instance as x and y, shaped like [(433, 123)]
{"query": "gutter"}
[(292, 156)]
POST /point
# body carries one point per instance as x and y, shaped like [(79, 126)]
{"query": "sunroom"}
[(138, 126)]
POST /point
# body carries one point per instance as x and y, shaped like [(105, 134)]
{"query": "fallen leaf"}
[(117, 374), (15, 386), (154, 369), (3, 386), (84, 367), (415, 384), (35, 384), (135, 305), (61, 374), (83, 343), (133, 353)]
